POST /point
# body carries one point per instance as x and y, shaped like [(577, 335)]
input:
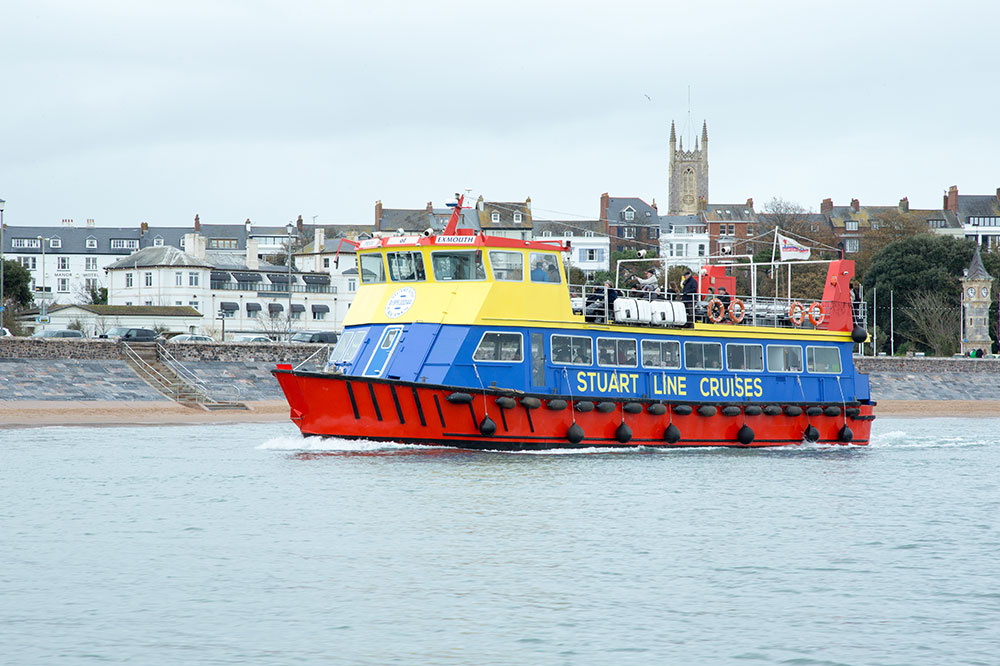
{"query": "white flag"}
[(791, 250)]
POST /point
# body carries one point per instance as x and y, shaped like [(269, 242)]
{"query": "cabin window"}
[(661, 354), (347, 347), (544, 268), (537, 359), (458, 265), (372, 268), (617, 352), (703, 355), (784, 358), (507, 266), (406, 266), (823, 359), (745, 357), (499, 347), (572, 350)]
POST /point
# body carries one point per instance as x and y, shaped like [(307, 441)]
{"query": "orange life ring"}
[(796, 313), (817, 313), (716, 311), (737, 310)]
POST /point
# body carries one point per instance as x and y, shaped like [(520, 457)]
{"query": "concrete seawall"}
[(32, 369)]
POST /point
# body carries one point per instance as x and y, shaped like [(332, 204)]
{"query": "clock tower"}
[(976, 307)]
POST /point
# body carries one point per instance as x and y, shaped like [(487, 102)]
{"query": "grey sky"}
[(125, 111)]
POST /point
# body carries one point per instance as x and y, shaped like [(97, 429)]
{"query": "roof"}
[(737, 212), (560, 227), (506, 211), (644, 212), (668, 222), (124, 310), (839, 215), (166, 255), (976, 269), (978, 205)]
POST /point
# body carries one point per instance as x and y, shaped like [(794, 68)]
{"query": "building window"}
[(192, 279), (326, 262), (628, 232), (296, 314), (147, 302), (352, 285), (701, 249), (63, 285), (679, 249), (90, 263), (851, 225), (55, 243), (318, 316), (157, 242), (91, 243), (518, 218), (28, 262), (628, 214), (178, 279), (494, 217), (546, 234), (63, 263), (222, 244), (25, 244), (591, 255), (851, 245), (750, 230), (90, 284), (654, 232), (148, 279), (128, 279), (124, 244), (588, 234), (194, 304)]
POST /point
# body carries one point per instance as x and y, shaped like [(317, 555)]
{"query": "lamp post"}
[(289, 228), (2, 264), (43, 309)]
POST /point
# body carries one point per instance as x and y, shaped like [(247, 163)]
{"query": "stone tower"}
[(976, 307), (688, 174)]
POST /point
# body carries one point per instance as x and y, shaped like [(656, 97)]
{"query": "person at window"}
[(553, 272), (538, 272)]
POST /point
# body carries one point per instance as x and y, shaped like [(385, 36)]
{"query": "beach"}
[(36, 413)]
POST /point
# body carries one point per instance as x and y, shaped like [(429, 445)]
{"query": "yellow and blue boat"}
[(468, 340)]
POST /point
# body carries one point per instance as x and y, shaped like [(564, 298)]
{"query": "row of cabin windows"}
[(459, 265), (664, 354)]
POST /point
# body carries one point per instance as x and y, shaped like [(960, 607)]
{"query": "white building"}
[(590, 247), (684, 240)]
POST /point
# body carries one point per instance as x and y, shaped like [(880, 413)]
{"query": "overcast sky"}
[(129, 111)]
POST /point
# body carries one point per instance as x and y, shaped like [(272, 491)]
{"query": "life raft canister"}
[(716, 311), (796, 313), (817, 313), (737, 310)]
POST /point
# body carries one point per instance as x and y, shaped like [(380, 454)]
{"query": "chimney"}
[(750, 204), (702, 204), (67, 222), (194, 245), (951, 199), (143, 228), (378, 215), (653, 205), (904, 205), (253, 262), (299, 224), (998, 195), (430, 207), (249, 226), (319, 240), (197, 222), (855, 205), (826, 207), (90, 223), (605, 204)]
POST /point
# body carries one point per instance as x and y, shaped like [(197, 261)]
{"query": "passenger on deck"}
[(650, 283), (689, 290), (538, 272), (724, 296), (600, 298)]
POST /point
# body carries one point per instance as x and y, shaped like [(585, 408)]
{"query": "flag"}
[(791, 250)]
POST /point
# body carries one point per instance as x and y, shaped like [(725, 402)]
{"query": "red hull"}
[(375, 409)]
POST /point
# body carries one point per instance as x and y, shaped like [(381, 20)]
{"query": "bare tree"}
[(886, 228), (935, 322)]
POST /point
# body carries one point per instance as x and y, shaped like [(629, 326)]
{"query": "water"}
[(248, 545)]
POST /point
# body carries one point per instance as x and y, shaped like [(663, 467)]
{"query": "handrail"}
[(152, 372), (309, 358), (186, 375)]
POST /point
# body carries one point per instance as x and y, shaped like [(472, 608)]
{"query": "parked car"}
[(57, 333), (324, 337), (132, 334), (249, 337), (190, 337)]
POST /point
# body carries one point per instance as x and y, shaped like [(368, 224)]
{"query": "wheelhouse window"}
[(544, 268), (661, 354), (347, 347), (455, 265), (572, 350), (499, 347), (784, 358), (616, 352), (823, 360), (507, 266), (406, 266), (745, 357), (372, 268), (703, 355)]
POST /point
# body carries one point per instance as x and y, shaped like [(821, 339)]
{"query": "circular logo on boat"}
[(400, 302)]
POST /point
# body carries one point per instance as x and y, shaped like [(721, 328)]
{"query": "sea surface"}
[(249, 545)]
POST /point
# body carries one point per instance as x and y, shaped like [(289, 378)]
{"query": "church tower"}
[(976, 307), (688, 174)]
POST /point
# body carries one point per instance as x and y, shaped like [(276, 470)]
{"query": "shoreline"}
[(16, 414)]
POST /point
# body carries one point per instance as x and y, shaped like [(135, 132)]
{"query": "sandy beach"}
[(29, 414)]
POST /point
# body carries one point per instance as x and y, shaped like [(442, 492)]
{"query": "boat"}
[(467, 340)]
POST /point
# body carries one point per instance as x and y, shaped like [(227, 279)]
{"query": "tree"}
[(16, 292), (924, 263), (935, 320)]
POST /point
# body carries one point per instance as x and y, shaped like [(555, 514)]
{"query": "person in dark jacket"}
[(689, 291)]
